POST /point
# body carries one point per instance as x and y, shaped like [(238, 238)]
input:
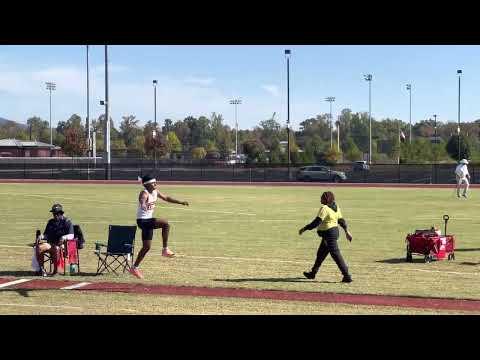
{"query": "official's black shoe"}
[(347, 279), (41, 273), (309, 275)]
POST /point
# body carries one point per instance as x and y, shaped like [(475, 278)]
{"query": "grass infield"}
[(247, 237)]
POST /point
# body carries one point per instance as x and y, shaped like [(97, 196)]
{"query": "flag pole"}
[(399, 144)]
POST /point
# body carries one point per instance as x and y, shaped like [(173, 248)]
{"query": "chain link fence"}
[(132, 168)]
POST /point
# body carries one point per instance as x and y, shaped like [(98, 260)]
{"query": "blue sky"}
[(198, 80)]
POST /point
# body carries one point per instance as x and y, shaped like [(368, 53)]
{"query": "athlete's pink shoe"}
[(136, 272), (168, 253)]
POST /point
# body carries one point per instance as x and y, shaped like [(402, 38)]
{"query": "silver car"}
[(320, 173)]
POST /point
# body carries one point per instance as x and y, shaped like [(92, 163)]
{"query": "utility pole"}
[(369, 78), (459, 72), (288, 53), (154, 133), (236, 102), (338, 135), (51, 87), (87, 120), (409, 88), (331, 99), (106, 157)]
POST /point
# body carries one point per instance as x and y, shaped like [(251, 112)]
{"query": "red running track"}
[(355, 299)]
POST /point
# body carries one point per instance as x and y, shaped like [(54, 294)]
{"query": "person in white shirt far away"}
[(463, 177)]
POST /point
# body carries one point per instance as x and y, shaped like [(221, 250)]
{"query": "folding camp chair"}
[(120, 247)]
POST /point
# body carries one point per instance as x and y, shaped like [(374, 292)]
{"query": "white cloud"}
[(199, 81), (32, 82), (176, 97), (271, 89)]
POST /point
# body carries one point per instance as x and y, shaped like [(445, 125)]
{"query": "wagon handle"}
[(446, 218)]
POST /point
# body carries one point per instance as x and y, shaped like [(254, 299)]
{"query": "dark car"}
[(320, 173), (361, 166)]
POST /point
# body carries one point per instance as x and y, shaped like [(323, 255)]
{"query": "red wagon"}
[(431, 244)]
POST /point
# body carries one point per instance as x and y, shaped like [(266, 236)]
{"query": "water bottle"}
[(73, 268)]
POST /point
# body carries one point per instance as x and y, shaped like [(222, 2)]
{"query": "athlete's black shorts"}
[(147, 226)]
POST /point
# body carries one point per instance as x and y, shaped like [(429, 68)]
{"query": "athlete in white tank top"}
[(147, 223), (147, 213)]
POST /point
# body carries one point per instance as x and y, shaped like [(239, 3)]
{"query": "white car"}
[(318, 172)]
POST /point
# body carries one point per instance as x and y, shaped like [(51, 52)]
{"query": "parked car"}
[(318, 172), (360, 166)]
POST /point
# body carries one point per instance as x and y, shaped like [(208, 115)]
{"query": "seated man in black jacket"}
[(58, 230)]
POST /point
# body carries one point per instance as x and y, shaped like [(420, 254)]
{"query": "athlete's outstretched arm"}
[(170, 199)]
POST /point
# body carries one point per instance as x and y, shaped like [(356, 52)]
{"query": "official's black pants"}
[(329, 245)]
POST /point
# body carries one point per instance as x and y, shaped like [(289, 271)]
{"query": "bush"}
[(198, 153)]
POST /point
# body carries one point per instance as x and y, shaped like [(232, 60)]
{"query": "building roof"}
[(25, 143)]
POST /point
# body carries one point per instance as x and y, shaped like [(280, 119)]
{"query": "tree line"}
[(314, 142)]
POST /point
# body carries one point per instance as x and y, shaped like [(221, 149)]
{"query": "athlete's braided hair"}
[(328, 197)]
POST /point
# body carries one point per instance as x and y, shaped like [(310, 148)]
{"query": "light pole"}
[(236, 102), (331, 99), (399, 143), (88, 108), (338, 135), (459, 72), (435, 148), (51, 87), (106, 155), (287, 55), (409, 88), (154, 136), (87, 120), (155, 121), (368, 78)]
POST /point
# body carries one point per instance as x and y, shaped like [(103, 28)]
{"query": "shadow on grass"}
[(85, 274), (23, 273), (468, 249), (18, 273), (293, 279), (469, 263), (401, 261), (23, 292)]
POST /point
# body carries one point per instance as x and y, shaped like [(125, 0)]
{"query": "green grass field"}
[(246, 236)]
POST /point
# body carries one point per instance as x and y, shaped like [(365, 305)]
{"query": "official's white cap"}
[(464, 161)]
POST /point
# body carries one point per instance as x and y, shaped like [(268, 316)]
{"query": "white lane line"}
[(133, 204), (45, 306), (15, 246), (75, 286), (10, 283)]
